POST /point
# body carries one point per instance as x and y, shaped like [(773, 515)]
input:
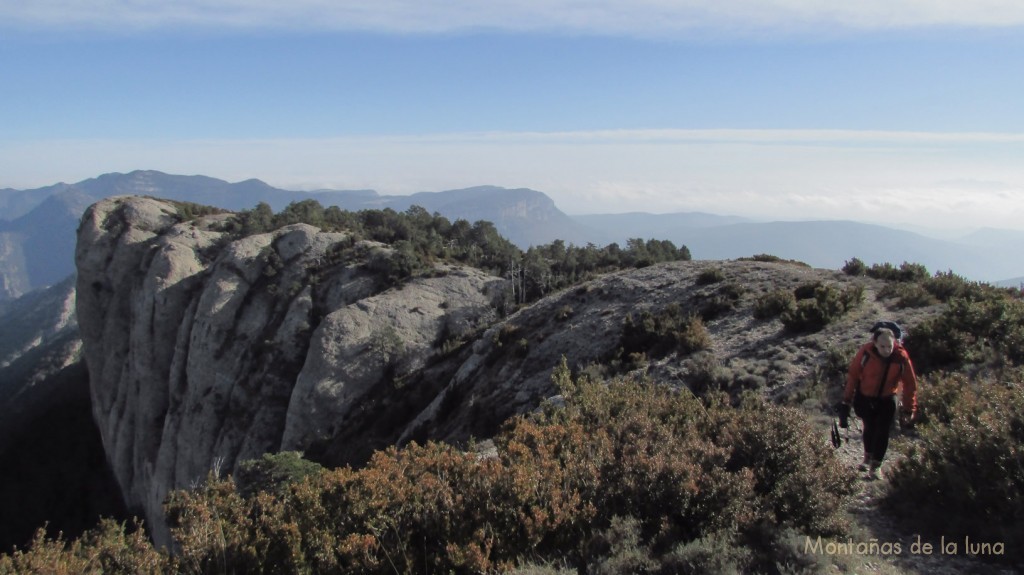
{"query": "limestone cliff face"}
[(204, 352)]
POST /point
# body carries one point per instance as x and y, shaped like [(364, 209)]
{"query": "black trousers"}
[(877, 423)]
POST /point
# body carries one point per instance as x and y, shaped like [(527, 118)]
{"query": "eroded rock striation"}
[(205, 350)]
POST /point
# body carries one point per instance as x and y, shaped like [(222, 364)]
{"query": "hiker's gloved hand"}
[(907, 419)]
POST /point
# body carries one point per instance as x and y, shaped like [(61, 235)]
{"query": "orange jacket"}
[(868, 375)]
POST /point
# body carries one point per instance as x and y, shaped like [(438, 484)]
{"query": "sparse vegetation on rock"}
[(418, 239)]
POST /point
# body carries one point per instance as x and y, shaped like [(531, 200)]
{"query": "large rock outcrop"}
[(204, 350)]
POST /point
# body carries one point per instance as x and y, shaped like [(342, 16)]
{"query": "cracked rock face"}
[(205, 351)]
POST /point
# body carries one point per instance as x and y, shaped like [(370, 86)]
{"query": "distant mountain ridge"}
[(37, 226), (828, 244)]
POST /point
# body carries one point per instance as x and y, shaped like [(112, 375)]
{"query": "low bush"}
[(723, 301), (907, 272), (273, 472), (828, 304), (965, 477), (188, 211), (948, 285), (773, 304), (111, 547), (987, 328), (855, 267), (667, 331), (807, 290), (908, 295), (769, 258), (628, 476), (710, 276), (704, 373)]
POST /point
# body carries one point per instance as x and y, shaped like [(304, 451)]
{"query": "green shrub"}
[(907, 272), (836, 360), (965, 477), (188, 211), (668, 331), (219, 531), (971, 331), (505, 334), (715, 307), (908, 295), (774, 304), (710, 276), (807, 290), (692, 335), (769, 258), (948, 285), (522, 348), (620, 550), (273, 472), (723, 301), (829, 304), (111, 547), (397, 264), (709, 555), (705, 373), (855, 267), (788, 473)]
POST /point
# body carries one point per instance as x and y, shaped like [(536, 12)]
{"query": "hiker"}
[(872, 383)]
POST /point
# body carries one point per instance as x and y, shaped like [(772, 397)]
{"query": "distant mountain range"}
[(37, 227), (986, 255)]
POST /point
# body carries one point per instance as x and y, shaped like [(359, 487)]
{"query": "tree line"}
[(419, 239)]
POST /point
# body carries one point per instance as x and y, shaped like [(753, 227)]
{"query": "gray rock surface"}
[(507, 370), (204, 352)]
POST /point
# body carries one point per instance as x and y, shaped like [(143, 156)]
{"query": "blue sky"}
[(896, 112)]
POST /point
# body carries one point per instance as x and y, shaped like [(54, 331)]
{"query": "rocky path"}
[(874, 524)]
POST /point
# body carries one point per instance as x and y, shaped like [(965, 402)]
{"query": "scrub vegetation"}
[(621, 472), (627, 476)]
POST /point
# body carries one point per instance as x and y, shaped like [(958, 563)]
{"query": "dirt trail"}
[(865, 508)]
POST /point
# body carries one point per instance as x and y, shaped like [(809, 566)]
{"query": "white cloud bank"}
[(612, 17), (938, 180)]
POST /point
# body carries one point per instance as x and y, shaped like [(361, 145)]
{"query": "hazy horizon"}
[(882, 112)]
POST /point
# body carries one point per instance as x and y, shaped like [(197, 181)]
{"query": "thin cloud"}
[(759, 136), (602, 17)]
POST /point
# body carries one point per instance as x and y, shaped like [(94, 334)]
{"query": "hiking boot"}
[(874, 472), (864, 465)]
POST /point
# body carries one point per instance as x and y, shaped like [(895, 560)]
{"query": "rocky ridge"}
[(204, 350)]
